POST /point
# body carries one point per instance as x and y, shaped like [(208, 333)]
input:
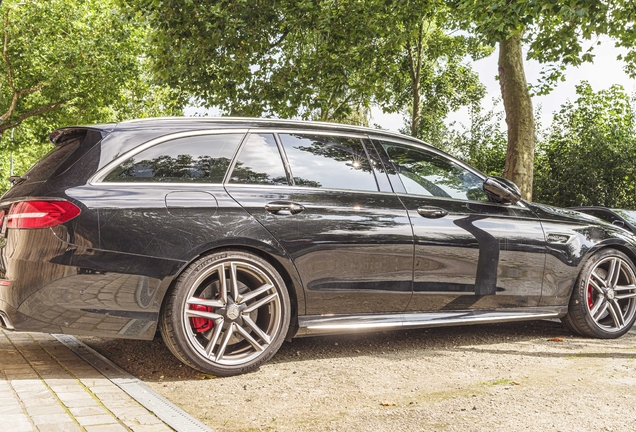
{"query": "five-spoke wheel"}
[(227, 314), (603, 302)]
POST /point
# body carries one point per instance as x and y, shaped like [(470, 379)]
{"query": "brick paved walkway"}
[(46, 387)]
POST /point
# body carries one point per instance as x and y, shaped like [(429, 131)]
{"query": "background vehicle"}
[(234, 234), (620, 217)]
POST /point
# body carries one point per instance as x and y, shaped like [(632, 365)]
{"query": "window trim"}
[(98, 178)]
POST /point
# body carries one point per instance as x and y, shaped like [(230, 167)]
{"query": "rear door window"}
[(332, 162), (259, 162), (194, 159)]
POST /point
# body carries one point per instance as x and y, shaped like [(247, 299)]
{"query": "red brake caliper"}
[(199, 324), (590, 301)]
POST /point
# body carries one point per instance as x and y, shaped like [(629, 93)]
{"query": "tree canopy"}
[(66, 63), (314, 59), (557, 34), (589, 157)]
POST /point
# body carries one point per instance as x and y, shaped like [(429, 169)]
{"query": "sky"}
[(604, 72)]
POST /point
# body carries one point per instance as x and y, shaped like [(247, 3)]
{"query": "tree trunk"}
[(519, 115)]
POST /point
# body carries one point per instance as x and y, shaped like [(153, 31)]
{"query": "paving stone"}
[(106, 389), (46, 409), (150, 428), (47, 387), (51, 419), (9, 408), (94, 382), (80, 393), (96, 420), (106, 428), (60, 427), (58, 381), (16, 423), (78, 403), (146, 419), (71, 388), (84, 411)]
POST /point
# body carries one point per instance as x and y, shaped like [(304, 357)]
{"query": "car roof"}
[(247, 122)]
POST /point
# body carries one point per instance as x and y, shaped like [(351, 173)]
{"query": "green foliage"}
[(66, 63), (431, 77), (482, 143), (556, 33), (313, 59), (590, 154), (67, 60)]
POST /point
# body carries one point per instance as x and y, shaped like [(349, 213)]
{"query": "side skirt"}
[(328, 324)]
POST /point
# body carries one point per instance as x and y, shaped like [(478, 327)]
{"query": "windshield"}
[(628, 215)]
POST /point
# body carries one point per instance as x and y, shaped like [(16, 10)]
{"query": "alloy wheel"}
[(232, 313), (611, 294)]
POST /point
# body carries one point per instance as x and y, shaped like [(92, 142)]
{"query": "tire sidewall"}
[(177, 326), (578, 301)]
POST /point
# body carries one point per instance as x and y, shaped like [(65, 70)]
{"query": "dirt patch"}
[(516, 376)]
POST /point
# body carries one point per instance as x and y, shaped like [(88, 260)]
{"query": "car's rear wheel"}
[(227, 314), (603, 302)]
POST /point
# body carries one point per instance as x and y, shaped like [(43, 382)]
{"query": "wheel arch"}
[(624, 247)]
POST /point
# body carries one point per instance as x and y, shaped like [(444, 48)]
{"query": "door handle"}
[(284, 207), (432, 212)]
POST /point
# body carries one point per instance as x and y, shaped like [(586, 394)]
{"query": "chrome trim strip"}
[(146, 184), (99, 176), (301, 188), (257, 121), (283, 130), (323, 324)]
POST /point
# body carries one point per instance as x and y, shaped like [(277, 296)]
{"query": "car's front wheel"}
[(227, 314), (603, 302)]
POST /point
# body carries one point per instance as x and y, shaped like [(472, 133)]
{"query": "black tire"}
[(603, 301), (229, 334)]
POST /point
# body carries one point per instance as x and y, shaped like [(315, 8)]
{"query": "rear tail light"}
[(41, 214)]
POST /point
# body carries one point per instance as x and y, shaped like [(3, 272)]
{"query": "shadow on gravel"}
[(152, 361)]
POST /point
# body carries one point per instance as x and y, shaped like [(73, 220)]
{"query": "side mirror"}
[(618, 223), (502, 190)]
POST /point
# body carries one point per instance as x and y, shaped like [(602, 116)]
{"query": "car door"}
[(469, 252), (351, 242)]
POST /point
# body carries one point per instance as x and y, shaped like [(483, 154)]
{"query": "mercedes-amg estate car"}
[(231, 235)]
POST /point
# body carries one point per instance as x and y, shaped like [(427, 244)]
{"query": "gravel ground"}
[(516, 376)]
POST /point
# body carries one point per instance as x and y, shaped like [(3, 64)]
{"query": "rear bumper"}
[(55, 287), (12, 319)]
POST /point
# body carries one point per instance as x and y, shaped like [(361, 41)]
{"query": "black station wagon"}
[(231, 235)]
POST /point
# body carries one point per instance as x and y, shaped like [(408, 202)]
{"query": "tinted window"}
[(426, 173), (328, 162), (68, 151), (201, 159), (259, 162)]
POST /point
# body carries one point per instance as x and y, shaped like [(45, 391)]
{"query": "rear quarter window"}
[(193, 159)]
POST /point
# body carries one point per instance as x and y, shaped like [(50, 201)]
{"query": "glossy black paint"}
[(481, 255), (340, 252)]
